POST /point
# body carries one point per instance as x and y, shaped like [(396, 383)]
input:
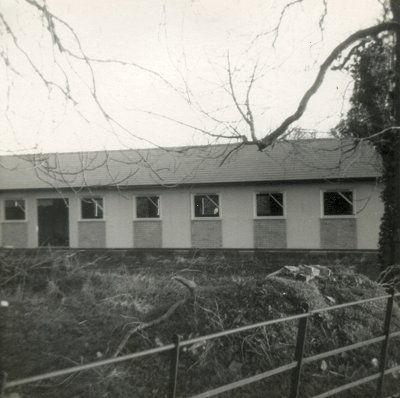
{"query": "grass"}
[(64, 312)]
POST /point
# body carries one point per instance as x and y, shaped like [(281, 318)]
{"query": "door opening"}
[(53, 222)]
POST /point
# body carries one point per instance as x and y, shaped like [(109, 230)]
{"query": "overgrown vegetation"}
[(64, 312), (372, 117)]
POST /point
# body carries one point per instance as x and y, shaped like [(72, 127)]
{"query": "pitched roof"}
[(284, 161)]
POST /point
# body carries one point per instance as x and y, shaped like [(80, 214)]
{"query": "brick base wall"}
[(206, 234), (92, 234), (339, 233), (147, 234), (15, 234), (270, 234)]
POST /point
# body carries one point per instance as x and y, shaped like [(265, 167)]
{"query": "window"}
[(269, 204), (148, 207), (92, 208), (338, 203), (15, 209), (206, 205)]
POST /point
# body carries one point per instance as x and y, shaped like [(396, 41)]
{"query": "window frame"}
[(136, 218), (354, 212), (265, 193), (206, 218), (4, 219), (92, 197)]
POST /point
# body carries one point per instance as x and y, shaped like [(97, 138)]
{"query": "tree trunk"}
[(390, 227)]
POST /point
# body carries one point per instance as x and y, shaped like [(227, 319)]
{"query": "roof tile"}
[(284, 161)]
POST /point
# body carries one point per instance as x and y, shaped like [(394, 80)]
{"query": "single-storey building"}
[(305, 194)]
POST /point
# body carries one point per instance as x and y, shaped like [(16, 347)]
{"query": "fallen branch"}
[(190, 285)]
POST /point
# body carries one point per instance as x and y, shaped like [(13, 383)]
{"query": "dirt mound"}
[(79, 316)]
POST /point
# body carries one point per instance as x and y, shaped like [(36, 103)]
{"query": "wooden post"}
[(3, 322), (173, 378), (298, 357), (385, 344)]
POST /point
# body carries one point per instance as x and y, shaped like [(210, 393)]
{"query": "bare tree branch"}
[(322, 17), (249, 112), (229, 153), (283, 12), (359, 35), (199, 129), (51, 21), (232, 92)]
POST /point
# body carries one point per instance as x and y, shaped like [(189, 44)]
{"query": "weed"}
[(64, 311)]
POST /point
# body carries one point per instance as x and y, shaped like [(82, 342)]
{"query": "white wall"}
[(118, 216), (303, 212), (176, 215), (303, 216), (369, 213)]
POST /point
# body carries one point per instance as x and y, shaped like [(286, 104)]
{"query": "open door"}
[(53, 222)]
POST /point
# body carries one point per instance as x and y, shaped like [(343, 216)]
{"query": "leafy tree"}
[(373, 116)]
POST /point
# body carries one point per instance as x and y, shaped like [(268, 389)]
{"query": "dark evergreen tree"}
[(373, 116)]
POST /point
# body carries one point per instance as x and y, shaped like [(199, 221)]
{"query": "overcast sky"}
[(186, 43)]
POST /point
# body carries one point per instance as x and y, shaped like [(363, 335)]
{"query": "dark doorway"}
[(53, 222)]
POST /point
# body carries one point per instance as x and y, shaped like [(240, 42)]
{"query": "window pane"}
[(15, 209), (269, 204), (206, 205), (92, 208), (338, 203), (148, 207)]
